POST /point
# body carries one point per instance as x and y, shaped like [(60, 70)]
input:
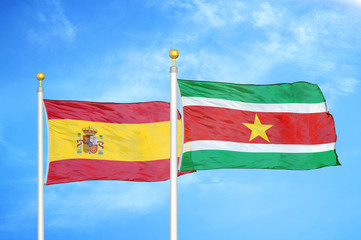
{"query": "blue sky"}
[(118, 51)]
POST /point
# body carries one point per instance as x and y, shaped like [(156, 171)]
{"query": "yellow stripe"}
[(122, 142)]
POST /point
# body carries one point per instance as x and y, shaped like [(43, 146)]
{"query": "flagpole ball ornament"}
[(173, 54), (40, 76)]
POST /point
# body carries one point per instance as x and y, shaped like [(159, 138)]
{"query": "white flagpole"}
[(173, 148), (40, 76)]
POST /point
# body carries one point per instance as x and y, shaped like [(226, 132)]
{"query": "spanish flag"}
[(108, 141)]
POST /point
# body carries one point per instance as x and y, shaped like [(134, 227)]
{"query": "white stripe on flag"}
[(256, 147), (256, 107)]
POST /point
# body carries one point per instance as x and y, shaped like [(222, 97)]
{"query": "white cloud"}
[(306, 41), (209, 66), (215, 14), (268, 16), (52, 24), (347, 85), (338, 88), (352, 2), (218, 15)]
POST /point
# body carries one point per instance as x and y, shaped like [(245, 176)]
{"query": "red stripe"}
[(74, 170), (146, 112), (211, 123)]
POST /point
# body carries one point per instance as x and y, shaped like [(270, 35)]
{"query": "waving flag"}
[(108, 141), (283, 126)]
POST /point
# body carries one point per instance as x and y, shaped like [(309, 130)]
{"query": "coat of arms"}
[(90, 142)]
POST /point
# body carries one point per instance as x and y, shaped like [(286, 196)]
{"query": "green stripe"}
[(299, 92), (216, 159)]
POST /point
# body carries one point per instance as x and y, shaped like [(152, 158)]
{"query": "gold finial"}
[(173, 54), (40, 76)]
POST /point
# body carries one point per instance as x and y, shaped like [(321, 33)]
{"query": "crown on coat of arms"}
[(89, 131)]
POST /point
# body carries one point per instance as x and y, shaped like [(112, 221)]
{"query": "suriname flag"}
[(281, 126)]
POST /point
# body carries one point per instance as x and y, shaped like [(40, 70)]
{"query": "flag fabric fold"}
[(281, 126), (108, 141)]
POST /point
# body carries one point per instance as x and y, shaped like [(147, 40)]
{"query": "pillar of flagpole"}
[(40, 76), (173, 148)]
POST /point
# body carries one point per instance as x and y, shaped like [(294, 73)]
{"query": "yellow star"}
[(258, 129)]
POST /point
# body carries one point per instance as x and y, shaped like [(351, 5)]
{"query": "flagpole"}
[(40, 76), (173, 148)]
